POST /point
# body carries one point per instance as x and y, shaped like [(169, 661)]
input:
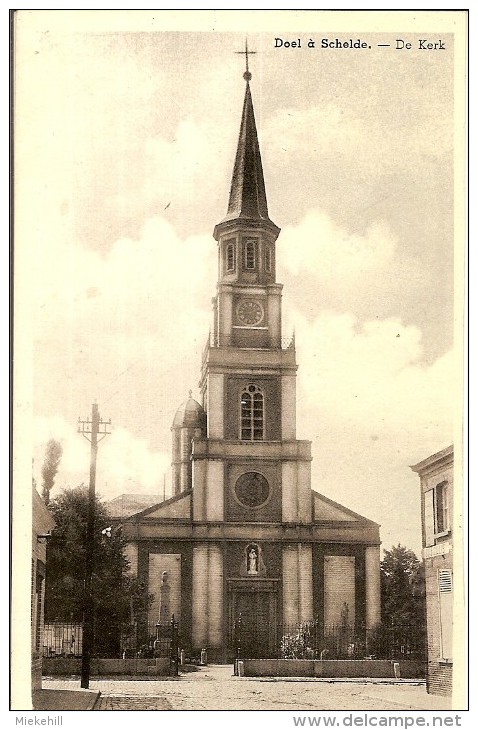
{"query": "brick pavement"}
[(214, 688), (114, 702)]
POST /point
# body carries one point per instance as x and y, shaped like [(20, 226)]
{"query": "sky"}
[(125, 154)]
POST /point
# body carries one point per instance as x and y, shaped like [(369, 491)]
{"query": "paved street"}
[(215, 688)]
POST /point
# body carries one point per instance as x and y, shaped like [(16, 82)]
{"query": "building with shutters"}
[(436, 485), (244, 533)]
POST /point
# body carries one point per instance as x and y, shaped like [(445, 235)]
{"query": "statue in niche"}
[(252, 559), (252, 563), (164, 589)]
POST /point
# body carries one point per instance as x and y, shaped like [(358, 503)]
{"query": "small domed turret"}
[(190, 414), (189, 423)]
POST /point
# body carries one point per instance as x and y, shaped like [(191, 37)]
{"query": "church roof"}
[(129, 504), (190, 414), (326, 510), (247, 196), (177, 507)]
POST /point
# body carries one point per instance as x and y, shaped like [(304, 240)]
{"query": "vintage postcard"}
[(239, 261)]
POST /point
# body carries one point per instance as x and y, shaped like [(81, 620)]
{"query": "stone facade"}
[(436, 485), (248, 534)]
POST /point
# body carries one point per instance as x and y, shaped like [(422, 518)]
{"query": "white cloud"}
[(126, 329), (146, 292), (372, 407), (318, 246), (186, 173), (326, 266), (125, 462), (370, 375), (129, 465)]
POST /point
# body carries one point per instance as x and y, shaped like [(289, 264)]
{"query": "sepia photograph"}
[(238, 382)]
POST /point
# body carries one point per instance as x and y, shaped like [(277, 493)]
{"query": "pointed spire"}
[(247, 197)]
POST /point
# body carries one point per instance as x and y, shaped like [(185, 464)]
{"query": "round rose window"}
[(252, 489)]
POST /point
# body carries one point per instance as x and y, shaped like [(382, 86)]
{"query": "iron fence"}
[(61, 639), (314, 640)]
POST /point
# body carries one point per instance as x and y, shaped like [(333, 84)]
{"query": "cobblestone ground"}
[(114, 702), (214, 688)]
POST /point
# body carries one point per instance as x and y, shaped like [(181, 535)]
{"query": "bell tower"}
[(251, 476), (249, 370), (247, 305)]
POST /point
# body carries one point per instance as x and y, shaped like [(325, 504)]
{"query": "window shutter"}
[(429, 519), (445, 581), (445, 593)]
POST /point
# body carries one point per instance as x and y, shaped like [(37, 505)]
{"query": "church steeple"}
[(247, 310), (247, 196)]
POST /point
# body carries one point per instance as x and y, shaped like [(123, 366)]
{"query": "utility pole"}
[(90, 430)]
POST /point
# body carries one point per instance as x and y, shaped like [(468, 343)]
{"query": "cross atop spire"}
[(247, 196), (247, 75)]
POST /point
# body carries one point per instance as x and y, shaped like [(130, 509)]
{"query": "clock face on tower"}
[(250, 312)]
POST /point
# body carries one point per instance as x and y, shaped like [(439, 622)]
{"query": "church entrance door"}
[(254, 614)]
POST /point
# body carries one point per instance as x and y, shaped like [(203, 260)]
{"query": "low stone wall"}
[(36, 672), (278, 667), (53, 666), (330, 668)]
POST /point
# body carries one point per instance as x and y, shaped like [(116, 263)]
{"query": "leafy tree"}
[(53, 454), (117, 595), (402, 587), (403, 627)]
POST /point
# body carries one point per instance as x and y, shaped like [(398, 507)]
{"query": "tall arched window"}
[(250, 253), (268, 259), (230, 257), (252, 414)]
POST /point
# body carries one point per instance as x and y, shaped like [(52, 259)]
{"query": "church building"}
[(244, 532)]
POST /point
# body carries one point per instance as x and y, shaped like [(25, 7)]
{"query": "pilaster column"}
[(207, 597), (306, 609), (200, 603), (214, 490), (288, 416), (215, 406), (289, 491), (290, 587), (215, 597), (372, 586)]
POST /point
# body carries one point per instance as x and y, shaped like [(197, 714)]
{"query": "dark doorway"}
[(254, 614)]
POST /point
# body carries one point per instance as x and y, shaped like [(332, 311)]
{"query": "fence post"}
[(237, 641), (173, 651)]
